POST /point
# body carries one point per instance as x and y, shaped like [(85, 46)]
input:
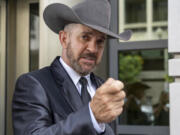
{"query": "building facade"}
[(151, 57)]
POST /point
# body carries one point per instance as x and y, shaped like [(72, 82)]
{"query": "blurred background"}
[(26, 44)]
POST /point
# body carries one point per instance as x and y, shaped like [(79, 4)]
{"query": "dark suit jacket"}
[(134, 114), (46, 102)]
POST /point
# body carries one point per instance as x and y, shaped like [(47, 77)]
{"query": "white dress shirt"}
[(99, 127)]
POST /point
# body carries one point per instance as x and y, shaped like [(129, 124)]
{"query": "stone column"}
[(174, 64)]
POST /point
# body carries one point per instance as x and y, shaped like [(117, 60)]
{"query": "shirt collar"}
[(73, 74)]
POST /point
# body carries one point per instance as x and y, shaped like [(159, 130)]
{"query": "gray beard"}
[(74, 63)]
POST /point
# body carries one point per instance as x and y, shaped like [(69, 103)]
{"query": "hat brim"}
[(57, 15), (137, 86)]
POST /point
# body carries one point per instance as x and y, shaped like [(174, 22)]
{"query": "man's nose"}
[(92, 46)]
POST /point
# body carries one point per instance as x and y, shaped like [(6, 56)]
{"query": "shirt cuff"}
[(99, 127)]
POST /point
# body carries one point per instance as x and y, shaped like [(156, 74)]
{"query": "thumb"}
[(109, 81)]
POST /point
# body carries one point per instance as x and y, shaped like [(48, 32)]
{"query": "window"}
[(146, 18), (34, 37), (145, 75), (135, 11), (141, 64), (160, 10)]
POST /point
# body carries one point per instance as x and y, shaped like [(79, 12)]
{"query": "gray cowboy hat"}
[(136, 86), (92, 13)]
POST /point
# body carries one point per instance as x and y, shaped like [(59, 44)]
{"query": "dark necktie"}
[(85, 97)]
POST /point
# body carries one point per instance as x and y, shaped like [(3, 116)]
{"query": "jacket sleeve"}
[(32, 114)]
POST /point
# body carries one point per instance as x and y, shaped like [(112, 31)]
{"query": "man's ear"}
[(63, 38)]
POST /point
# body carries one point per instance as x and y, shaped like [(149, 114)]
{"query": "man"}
[(135, 94), (67, 98)]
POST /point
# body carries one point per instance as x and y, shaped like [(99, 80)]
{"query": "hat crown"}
[(97, 12)]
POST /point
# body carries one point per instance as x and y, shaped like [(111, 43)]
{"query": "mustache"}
[(91, 56)]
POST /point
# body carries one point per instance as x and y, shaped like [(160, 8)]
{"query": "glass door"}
[(141, 64)]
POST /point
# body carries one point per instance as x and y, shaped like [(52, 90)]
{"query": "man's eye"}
[(100, 41), (85, 37)]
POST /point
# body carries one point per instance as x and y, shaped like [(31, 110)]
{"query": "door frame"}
[(17, 50), (2, 64)]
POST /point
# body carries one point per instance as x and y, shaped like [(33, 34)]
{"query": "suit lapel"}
[(72, 94), (68, 89), (96, 80), (63, 81)]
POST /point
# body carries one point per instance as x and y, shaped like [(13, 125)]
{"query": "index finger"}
[(113, 87)]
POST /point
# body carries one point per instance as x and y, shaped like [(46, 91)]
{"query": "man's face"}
[(84, 49)]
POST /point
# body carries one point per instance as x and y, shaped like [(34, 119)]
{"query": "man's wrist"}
[(99, 127)]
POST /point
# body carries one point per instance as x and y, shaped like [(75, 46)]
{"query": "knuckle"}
[(117, 85), (114, 86), (113, 114), (120, 111), (121, 84), (110, 79), (123, 94), (119, 95), (121, 104)]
